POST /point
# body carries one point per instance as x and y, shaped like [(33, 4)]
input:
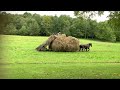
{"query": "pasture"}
[(20, 60)]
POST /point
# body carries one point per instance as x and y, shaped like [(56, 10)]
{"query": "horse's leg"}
[(85, 49), (82, 49), (88, 49)]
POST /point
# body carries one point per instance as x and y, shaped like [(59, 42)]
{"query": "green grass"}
[(21, 60)]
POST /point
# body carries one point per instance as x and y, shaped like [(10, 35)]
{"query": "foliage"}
[(114, 22), (80, 27), (104, 32), (10, 29)]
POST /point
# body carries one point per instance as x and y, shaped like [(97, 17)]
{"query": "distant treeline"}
[(37, 25)]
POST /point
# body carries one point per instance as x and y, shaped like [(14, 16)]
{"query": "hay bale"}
[(65, 44), (60, 43)]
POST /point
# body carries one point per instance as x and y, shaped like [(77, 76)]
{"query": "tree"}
[(88, 14), (10, 29), (64, 24), (33, 27), (92, 29), (26, 15), (114, 19), (81, 27), (55, 24), (46, 26), (38, 18), (23, 30), (105, 32), (77, 28)]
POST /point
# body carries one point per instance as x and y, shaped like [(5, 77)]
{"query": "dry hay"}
[(60, 42), (65, 44)]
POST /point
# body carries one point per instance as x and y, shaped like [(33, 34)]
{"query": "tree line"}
[(28, 24)]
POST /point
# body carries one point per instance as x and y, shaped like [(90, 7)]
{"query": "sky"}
[(58, 13)]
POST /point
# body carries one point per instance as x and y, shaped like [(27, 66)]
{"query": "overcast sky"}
[(58, 13)]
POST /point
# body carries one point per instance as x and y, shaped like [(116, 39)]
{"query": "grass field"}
[(19, 59)]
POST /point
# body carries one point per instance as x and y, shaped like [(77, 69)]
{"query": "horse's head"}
[(90, 44)]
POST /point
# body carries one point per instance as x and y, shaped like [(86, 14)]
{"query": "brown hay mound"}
[(60, 43), (65, 44)]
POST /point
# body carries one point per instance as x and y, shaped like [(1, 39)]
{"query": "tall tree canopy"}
[(114, 19), (81, 27)]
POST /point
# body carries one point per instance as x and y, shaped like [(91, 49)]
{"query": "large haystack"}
[(60, 42), (65, 44)]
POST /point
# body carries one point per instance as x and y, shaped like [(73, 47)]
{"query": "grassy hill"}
[(20, 60)]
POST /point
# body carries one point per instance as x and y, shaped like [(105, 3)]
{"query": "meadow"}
[(20, 60)]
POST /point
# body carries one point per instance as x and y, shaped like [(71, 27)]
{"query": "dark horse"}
[(85, 46)]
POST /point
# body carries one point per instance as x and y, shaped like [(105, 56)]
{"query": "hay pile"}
[(65, 44), (60, 42)]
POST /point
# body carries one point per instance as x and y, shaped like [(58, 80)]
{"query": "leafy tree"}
[(26, 15), (81, 27), (55, 24), (38, 18), (114, 19), (23, 30), (46, 25), (104, 32), (10, 29), (64, 24), (77, 28), (32, 27)]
